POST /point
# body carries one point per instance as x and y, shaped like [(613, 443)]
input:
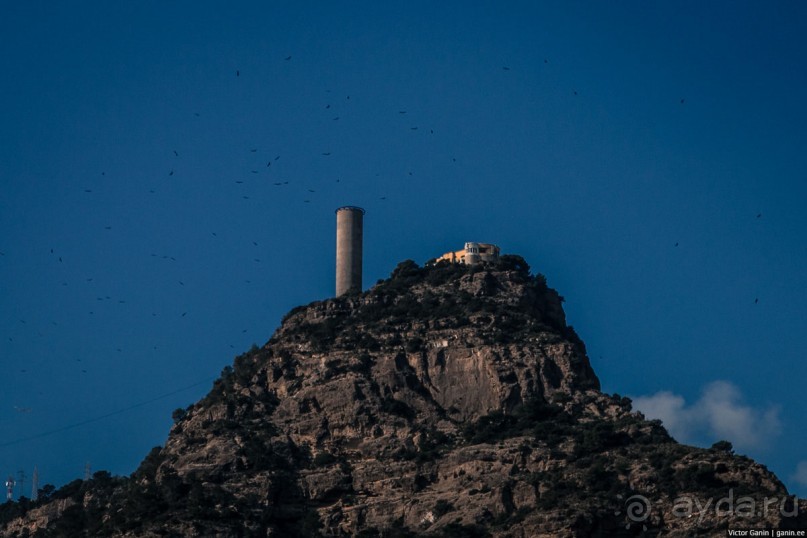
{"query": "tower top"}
[(350, 208)]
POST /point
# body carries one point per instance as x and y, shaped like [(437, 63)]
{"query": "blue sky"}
[(649, 158)]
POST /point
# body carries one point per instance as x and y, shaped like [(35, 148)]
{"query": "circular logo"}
[(637, 509)]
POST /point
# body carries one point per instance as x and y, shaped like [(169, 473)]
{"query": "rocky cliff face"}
[(444, 401)]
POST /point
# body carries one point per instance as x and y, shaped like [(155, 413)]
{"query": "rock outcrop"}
[(444, 401)]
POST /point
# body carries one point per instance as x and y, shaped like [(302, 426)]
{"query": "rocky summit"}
[(447, 400)]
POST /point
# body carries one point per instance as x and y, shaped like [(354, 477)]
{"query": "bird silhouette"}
[(288, 58), (171, 173), (87, 190), (176, 154), (237, 73), (759, 215), (682, 101), (506, 68), (311, 190), (676, 244), (756, 301), (327, 153)]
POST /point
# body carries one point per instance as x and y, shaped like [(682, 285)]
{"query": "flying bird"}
[(327, 153), (506, 68), (311, 190), (676, 244), (759, 215), (87, 190), (171, 173), (288, 58), (253, 150), (682, 101), (175, 153), (756, 301), (237, 73)]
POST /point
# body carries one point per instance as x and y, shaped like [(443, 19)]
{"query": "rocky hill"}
[(445, 401)]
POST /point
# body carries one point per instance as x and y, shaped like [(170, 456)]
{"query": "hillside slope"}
[(444, 401)]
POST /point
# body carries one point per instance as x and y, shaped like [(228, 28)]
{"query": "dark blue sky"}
[(650, 159)]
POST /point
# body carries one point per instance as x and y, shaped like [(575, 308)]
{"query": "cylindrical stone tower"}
[(349, 233)]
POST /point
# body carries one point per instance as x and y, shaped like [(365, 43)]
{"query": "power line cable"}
[(107, 415)]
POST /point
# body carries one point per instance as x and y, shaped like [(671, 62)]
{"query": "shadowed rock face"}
[(444, 401)]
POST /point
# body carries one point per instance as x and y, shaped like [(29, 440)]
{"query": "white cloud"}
[(719, 414), (801, 473)]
